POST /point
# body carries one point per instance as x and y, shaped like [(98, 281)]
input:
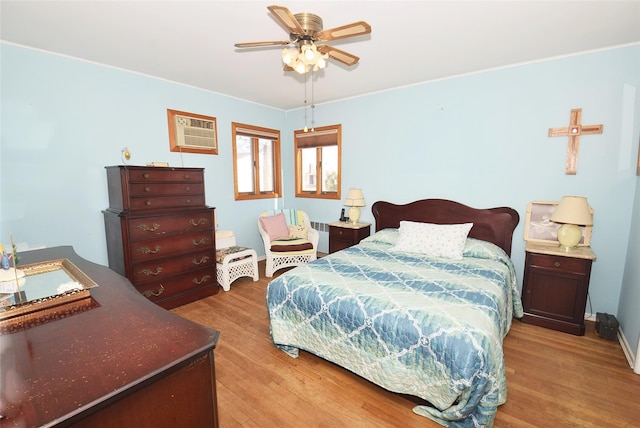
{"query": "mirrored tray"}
[(41, 286)]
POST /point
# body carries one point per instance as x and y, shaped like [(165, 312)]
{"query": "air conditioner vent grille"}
[(192, 133), (195, 133)]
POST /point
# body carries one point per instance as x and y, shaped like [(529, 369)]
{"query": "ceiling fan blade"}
[(287, 19), (260, 44), (339, 55), (349, 30)]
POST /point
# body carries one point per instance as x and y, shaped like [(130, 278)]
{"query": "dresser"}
[(111, 359), (345, 234), (555, 286), (160, 234)]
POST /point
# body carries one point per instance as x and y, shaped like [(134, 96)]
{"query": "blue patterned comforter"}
[(427, 327)]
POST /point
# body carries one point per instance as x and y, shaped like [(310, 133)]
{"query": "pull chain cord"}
[(313, 106), (305, 103)]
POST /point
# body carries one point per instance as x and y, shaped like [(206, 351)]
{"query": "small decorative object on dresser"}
[(345, 234), (160, 233)]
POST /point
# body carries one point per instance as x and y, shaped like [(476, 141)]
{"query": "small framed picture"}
[(538, 226), (192, 133)]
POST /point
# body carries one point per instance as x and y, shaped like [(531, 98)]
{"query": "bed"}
[(423, 325)]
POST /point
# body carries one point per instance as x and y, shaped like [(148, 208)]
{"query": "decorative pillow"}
[(439, 240), (275, 226), (297, 231)]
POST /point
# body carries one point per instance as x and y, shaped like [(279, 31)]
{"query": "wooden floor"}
[(554, 379)]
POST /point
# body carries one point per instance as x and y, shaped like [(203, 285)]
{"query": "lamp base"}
[(354, 214), (569, 235)]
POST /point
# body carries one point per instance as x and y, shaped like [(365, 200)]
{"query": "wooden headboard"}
[(495, 225)]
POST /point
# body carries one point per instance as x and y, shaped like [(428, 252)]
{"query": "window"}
[(318, 161), (256, 162)]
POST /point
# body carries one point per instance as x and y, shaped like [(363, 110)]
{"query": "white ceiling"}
[(411, 41)]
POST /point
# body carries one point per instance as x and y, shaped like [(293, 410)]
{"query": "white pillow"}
[(439, 240)]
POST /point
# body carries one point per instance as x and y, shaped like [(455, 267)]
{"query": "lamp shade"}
[(354, 198), (573, 210)]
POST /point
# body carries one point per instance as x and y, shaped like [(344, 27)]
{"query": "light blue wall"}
[(64, 120), (629, 308), (480, 139)]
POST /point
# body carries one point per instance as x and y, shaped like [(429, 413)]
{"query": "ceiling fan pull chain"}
[(313, 106), (305, 104)]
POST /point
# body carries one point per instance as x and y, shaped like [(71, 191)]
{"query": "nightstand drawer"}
[(343, 235), (340, 233), (565, 264)]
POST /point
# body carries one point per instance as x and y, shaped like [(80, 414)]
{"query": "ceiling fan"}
[(305, 31)]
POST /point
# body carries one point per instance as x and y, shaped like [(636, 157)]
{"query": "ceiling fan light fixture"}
[(305, 29), (289, 55), (310, 53), (304, 58), (300, 67)]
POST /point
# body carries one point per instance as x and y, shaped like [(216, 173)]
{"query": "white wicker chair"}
[(279, 260)]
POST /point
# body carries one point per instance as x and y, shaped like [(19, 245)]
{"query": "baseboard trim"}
[(628, 352)]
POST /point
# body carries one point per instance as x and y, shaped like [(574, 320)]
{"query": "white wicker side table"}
[(235, 262)]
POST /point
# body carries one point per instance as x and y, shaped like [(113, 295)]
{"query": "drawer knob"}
[(200, 242), (147, 189), (557, 264), (186, 176), (188, 201), (148, 202), (145, 175), (187, 188)]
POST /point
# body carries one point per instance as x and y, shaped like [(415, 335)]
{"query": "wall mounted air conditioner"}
[(192, 133)]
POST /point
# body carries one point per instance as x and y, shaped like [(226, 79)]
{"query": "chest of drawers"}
[(160, 233)]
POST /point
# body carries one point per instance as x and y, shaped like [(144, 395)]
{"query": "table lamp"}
[(572, 211), (354, 199)]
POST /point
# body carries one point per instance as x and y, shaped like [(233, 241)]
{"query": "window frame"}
[(256, 133), (299, 143)]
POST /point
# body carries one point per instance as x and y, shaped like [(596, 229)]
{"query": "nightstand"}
[(555, 286), (344, 234)]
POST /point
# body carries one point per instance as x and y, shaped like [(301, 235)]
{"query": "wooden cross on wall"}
[(574, 130)]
